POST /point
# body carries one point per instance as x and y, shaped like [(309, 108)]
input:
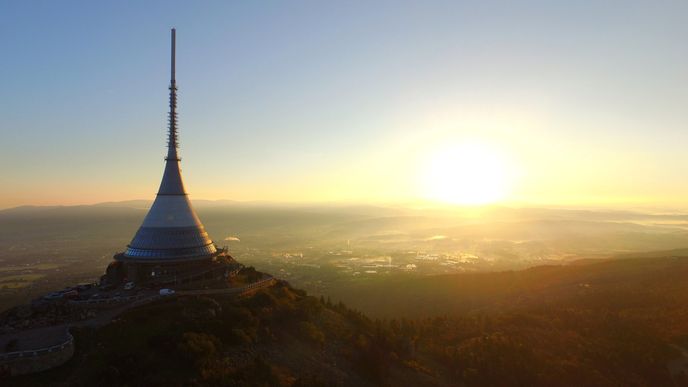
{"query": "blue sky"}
[(342, 100)]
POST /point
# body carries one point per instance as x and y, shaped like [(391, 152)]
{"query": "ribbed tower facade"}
[(171, 230)]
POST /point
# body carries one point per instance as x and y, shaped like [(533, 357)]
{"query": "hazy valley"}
[(330, 250)]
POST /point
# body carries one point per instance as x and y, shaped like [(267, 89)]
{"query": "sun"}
[(467, 173)]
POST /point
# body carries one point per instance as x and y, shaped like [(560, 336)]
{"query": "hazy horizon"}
[(410, 204)]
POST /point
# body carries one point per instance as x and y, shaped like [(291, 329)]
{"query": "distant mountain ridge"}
[(503, 212)]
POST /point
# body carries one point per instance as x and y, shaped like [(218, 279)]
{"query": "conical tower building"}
[(171, 230), (172, 240)]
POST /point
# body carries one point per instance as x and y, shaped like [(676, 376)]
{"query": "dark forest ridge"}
[(606, 323), (642, 282)]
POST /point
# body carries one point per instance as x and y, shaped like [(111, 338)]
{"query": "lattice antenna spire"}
[(172, 140)]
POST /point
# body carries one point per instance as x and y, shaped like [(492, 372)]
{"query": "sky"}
[(549, 102)]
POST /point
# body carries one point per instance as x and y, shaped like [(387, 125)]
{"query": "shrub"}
[(199, 347), (309, 331)]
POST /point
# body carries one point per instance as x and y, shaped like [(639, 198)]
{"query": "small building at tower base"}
[(198, 273)]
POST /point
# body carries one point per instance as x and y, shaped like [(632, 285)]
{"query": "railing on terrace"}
[(240, 290), (37, 352)]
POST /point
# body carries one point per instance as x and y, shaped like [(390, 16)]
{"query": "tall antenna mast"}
[(172, 139), (174, 44)]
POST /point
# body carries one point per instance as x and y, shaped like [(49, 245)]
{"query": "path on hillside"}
[(42, 337), (106, 316)]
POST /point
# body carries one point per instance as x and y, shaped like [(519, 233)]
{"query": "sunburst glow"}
[(465, 173)]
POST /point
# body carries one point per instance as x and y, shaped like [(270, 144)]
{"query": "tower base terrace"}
[(180, 273)]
